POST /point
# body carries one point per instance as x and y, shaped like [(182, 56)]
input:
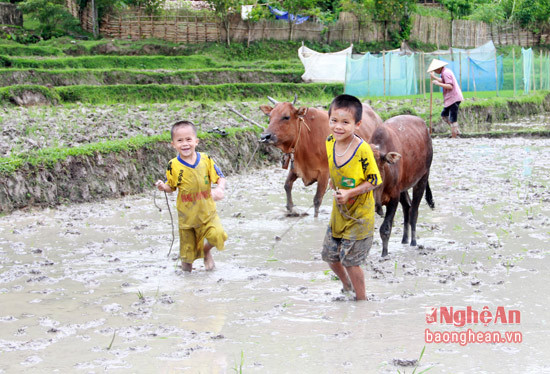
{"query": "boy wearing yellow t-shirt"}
[(353, 176), (192, 174)]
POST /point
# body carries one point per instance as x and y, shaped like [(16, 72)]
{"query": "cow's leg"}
[(322, 183), (290, 178), (385, 229), (405, 201), (418, 192)]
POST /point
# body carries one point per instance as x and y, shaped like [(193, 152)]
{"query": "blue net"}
[(388, 74), (480, 69)]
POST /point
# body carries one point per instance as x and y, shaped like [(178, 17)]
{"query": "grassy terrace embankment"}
[(72, 77)]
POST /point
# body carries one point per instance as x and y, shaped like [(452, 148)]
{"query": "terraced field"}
[(83, 99)]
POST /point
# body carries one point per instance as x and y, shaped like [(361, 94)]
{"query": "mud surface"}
[(89, 288)]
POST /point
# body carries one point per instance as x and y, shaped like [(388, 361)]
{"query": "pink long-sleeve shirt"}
[(454, 94)]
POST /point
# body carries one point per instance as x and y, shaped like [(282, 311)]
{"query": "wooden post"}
[(540, 69), (431, 100), (120, 27), (139, 25), (496, 72), (384, 69), (514, 69), (176, 36), (469, 67), (533, 78), (423, 70), (389, 75), (460, 69)]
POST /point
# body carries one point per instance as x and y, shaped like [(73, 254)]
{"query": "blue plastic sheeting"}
[(481, 75), (281, 14), (390, 74)]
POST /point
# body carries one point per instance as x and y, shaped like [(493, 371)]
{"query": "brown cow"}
[(403, 149), (301, 134)]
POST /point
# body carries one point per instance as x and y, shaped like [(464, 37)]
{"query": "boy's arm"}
[(342, 196), (219, 192), (163, 186)]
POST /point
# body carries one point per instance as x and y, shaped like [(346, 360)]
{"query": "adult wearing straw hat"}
[(452, 94)]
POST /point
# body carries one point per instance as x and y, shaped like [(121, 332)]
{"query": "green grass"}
[(169, 93), (433, 11), (67, 77), (143, 62), (28, 50)]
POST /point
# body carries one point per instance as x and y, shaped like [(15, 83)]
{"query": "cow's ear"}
[(391, 157), (266, 109), (302, 111)]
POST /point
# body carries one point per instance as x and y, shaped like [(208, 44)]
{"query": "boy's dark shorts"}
[(451, 111), (348, 252)]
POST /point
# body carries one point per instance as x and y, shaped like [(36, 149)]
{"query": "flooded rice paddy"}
[(89, 288)]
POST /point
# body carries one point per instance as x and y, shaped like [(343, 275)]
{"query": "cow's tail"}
[(429, 196)]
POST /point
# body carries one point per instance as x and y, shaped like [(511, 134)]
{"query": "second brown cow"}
[(301, 134)]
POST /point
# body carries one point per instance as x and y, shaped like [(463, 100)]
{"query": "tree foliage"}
[(396, 12), (52, 16), (459, 8)]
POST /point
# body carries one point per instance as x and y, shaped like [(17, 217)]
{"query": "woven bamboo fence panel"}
[(135, 24)]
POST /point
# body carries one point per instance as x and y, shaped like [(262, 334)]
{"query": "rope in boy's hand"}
[(169, 210)]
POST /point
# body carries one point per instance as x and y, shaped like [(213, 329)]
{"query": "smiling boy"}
[(353, 176), (192, 174)]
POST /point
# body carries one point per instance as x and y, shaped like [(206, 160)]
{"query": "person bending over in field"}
[(452, 94)]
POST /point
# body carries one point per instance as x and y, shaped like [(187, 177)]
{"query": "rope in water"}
[(171, 217)]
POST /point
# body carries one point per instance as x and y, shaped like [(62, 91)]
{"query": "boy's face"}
[(184, 141), (342, 123)]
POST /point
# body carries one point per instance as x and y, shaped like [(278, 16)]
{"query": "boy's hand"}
[(342, 196), (218, 193), (162, 186)]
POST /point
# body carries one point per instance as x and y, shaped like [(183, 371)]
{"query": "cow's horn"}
[(273, 101), (295, 98)]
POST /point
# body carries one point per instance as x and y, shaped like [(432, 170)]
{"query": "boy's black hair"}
[(184, 123), (348, 102)]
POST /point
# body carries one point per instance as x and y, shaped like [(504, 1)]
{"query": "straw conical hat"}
[(436, 64)]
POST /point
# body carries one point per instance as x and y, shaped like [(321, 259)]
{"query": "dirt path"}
[(88, 288)]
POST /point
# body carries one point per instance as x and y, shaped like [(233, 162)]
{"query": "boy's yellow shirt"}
[(194, 203), (360, 167)]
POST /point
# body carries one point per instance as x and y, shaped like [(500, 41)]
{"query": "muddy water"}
[(538, 122), (89, 288)]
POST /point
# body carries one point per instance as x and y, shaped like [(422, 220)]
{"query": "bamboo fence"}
[(135, 24)]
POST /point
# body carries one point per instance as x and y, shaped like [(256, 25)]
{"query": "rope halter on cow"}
[(290, 155)]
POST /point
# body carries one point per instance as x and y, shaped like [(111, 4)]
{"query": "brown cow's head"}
[(283, 126), (383, 161)]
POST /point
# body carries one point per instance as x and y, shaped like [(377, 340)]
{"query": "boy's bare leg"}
[(341, 273), (357, 278), (185, 266), (208, 259)]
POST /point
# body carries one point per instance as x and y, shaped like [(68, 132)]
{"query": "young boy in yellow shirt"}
[(353, 176), (192, 174)]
